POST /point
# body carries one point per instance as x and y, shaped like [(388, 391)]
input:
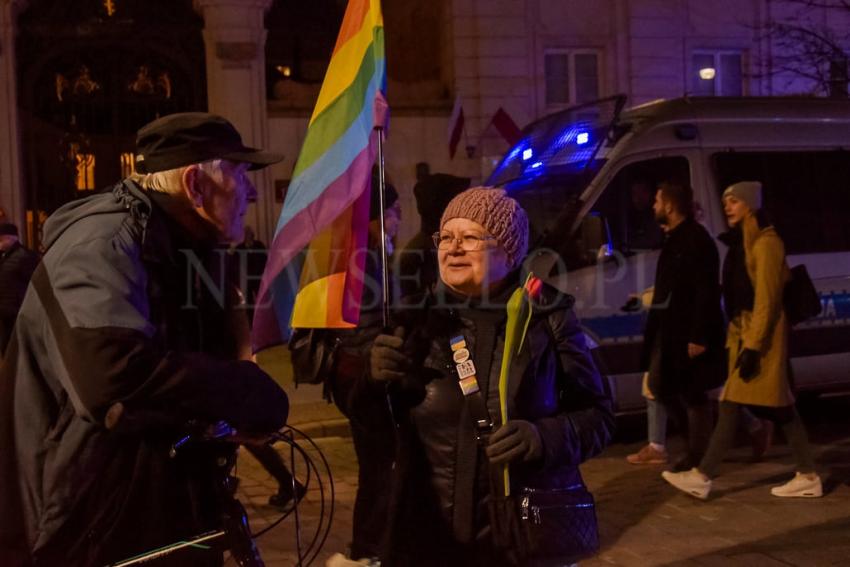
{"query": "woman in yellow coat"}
[(754, 276)]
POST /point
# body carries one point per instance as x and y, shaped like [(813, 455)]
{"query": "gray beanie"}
[(746, 191), (499, 214)]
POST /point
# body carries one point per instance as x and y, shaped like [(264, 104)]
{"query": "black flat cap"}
[(185, 138)]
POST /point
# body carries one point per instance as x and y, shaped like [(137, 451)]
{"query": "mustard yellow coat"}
[(765, 328)]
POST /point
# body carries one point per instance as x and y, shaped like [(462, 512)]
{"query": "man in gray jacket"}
[(130, 309)]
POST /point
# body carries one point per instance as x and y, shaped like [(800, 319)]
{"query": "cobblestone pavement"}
[(643, 521)]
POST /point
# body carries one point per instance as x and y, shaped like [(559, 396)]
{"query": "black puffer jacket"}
[(439, 512), (112, 315)]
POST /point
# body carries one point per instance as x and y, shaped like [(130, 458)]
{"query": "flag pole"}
[(385, 272)]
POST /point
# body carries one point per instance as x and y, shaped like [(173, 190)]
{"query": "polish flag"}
[(455, 127)]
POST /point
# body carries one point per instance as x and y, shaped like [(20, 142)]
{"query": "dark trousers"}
[(727, 427), (374, 445)]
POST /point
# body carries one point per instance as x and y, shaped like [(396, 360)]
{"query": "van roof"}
[(696, 109), (776, 122)]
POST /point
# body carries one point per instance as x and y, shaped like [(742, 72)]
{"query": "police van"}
[(587, 178)]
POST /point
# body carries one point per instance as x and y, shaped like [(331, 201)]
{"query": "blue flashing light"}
[(527, 154), (582, 138), (536, 164)]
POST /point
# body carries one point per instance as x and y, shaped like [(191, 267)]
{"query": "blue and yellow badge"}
[(464, 365)]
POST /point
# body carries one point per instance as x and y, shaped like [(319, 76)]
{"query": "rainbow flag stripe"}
[(327, 204)]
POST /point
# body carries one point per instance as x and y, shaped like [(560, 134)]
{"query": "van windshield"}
[(551, 200)]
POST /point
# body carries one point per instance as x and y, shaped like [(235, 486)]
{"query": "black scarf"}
[(738, 292)]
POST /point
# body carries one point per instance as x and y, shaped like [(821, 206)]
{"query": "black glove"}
[(748, 364), (386, 361), (516, 439)]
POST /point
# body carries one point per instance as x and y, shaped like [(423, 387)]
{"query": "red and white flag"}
[(506, 126), (455, 127)]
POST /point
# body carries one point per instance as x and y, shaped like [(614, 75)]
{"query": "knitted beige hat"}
[(499, 214)]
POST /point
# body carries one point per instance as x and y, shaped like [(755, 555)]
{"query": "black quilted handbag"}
[(546, 527)]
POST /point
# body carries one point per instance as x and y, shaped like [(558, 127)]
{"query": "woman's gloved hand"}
[(515, 440), (748, 364), (386, 361)]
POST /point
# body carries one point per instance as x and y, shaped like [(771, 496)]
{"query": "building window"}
[(85, 171), (128, 164), (717, 73), (572, 76)]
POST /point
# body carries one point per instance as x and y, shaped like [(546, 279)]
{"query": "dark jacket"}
[(16, 267), (440, 491), (112, 314), (686, 309)]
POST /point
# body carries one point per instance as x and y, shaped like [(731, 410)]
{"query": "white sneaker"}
[(340, 560), (690, 482), (801, 486)]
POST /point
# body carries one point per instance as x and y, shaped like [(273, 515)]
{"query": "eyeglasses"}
[(467, 242)]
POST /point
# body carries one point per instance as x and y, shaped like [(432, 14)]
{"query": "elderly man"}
[(16, 266), (126, 309)]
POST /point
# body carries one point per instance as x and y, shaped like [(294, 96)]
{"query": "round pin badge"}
[(460, 355)]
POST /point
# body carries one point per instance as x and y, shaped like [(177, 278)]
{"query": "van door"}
[(806, 194), (603, 278)]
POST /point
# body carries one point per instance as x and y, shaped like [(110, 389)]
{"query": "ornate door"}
[(91, 73)]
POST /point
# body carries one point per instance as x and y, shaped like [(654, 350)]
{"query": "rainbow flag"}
[(327, 204)]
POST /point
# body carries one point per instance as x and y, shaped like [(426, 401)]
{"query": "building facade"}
[(260, 62)]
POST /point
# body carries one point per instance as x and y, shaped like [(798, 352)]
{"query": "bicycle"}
[(235, 529)]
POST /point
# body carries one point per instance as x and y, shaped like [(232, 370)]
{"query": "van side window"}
[(626, 204), (806, 194)]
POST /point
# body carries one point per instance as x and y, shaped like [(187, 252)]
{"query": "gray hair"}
[(171, 180)]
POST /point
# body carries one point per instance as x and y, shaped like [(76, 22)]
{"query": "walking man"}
[(683, 340)]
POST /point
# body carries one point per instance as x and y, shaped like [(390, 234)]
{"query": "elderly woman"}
[(449, 467), (754, 277)]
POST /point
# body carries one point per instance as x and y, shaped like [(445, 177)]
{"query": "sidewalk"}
[(309, 411), (643, 521)]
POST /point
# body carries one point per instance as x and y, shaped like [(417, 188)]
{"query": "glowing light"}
[(707, 73), (582, 138), (284, 70), (527, 154), (536, 164)]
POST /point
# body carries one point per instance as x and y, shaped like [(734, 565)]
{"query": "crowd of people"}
[(480, 396)]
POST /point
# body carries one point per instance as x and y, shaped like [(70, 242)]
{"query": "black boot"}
[(283, 498)]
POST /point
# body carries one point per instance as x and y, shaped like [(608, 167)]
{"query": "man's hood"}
[(120, 197)]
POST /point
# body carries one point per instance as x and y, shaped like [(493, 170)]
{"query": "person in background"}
[(16, 267), (252, 256), (754, 276), (560, 415), (417, 261), (371, 424), (245, 264), (683, 339), (118, 325)]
